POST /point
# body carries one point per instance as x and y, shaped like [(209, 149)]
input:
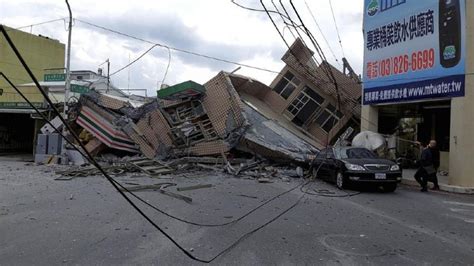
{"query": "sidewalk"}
[(408, 179), (19, 157)]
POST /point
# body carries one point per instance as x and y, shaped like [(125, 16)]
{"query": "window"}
[(358, 153), (287, 85), (322, 154), (325, 154), (304, 106), (329, 118)]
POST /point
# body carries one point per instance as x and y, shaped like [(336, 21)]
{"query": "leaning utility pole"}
[(108, 75), (67, 87)]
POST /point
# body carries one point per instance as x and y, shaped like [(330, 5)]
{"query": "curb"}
[(443, 187)]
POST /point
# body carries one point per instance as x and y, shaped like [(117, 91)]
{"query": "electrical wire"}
[(113, 182), (300, 63), (322, 33), (254, 9), (329, 70), (134, 61), (330, 74), (286, 43), (321, 81), (229, 222), (92, 160), (167, 68), (356, 104), (314, 62), (337, 28), (322, 194), (178, 49), (314, 174), (139, 198), (287, 26), (39, 23)]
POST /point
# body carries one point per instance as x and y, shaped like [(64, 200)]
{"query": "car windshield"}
[(357, 153)]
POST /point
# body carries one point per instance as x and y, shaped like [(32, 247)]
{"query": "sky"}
[(215, 28)]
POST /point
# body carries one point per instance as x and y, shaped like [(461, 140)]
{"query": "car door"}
[(319, 165), (332, 166)]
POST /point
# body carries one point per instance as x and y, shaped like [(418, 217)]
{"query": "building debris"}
[(194, 187), (151, 167), (187, 125), (264, 180), (161, 188), (231, 124)]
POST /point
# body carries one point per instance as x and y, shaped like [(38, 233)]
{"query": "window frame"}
[(293, 81), (303, 93), (336, 115)]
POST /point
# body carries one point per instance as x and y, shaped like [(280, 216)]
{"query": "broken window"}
[(189, 123), (329, 118), (304, 106), (287, 85)]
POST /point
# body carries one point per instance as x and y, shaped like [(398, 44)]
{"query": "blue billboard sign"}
[(413, 50)]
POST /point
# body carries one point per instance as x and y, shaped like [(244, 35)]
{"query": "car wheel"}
[(340, 183), (389, 187)]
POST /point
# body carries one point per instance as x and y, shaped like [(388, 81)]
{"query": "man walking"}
[(430, 162)]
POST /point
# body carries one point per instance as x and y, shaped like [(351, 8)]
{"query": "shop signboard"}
[(55, 77), (10, 99), (413, 50), (79, 89)]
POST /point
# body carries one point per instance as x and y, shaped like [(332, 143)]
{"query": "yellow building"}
[(17, 126)]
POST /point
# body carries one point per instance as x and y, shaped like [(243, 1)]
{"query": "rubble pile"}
[(188, 125)]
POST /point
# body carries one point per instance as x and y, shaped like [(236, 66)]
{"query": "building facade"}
[(418, 83), (17, 123), (305, 94)]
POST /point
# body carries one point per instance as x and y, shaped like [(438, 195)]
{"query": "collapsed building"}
[(288, 121), (187, 119)]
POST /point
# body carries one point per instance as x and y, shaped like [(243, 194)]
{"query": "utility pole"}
[(108, 75), (67, 87)]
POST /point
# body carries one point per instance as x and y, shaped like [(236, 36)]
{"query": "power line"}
[(284, 21), (112, 181), (330, 74), (289, 48), (178, 49), (322, 33), (337, 28), (134, 61), (40, 23), (167, 68), (254, 9), (313, 62)]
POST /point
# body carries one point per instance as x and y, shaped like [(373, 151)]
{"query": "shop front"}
[(418, 83)]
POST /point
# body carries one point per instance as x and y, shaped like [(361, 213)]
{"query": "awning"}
[(182, 90), (105, 131)]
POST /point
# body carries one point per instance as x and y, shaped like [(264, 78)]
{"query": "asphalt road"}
[(84, 221)]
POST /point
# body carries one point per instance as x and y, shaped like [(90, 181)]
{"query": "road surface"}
[(84, 221)]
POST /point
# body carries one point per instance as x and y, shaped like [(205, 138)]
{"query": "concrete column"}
[(461, 152), (369, 120)]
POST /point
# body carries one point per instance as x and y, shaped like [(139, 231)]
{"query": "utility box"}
[(42, 144), (54, 144)]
